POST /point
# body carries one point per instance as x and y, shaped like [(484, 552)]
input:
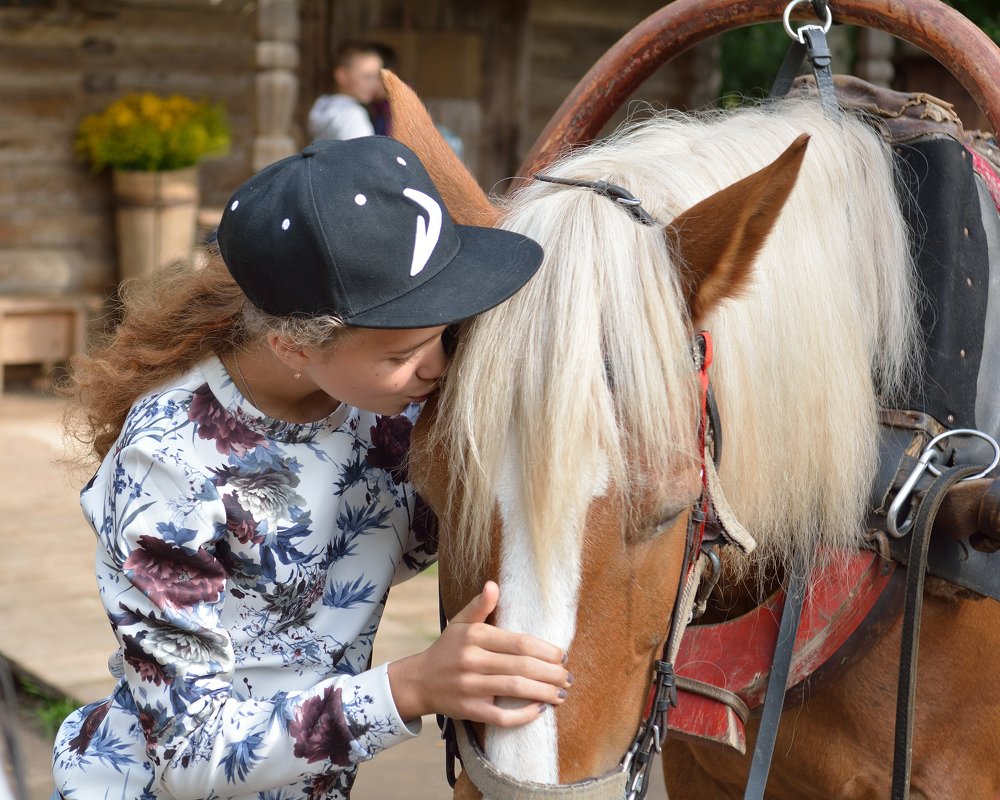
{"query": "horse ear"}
[(412, 125), (719, 237)]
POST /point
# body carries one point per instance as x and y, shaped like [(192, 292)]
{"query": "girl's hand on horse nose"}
[(464, 672)]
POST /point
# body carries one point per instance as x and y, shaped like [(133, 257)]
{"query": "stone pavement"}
[(53, 628)]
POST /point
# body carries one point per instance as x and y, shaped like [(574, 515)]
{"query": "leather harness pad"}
[(943, 208), (955, 561), (953, 263)]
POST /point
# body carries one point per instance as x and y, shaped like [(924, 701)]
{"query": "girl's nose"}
[(434, 362)]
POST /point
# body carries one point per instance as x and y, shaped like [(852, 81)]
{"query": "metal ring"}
[(786, 19), (966, 432)]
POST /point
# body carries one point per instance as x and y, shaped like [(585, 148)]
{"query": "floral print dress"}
[(244, 564)]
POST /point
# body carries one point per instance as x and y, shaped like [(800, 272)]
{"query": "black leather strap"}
[(814, 47), (910, 637), (446, 724), (612, 191), (789, 68), (818, 53), (774, 700)]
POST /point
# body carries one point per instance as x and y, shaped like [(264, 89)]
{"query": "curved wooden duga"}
[(932, 26)]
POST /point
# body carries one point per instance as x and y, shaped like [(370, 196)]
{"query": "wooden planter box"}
[(155, 215)]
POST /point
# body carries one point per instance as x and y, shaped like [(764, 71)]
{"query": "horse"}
[(563, 452)]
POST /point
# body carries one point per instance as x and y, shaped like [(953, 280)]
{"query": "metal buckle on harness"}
[(652, 732), (899, 523), (786, 19)]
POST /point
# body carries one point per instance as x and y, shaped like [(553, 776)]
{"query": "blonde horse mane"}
[(588, 370)]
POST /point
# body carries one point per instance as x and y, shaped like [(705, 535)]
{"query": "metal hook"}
[(968, 432), (786, 19), (896, 529), (899, 529)]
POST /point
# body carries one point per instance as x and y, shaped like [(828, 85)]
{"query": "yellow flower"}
[(150, 132)]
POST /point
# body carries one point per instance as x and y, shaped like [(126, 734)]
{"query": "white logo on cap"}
[(428, 230)]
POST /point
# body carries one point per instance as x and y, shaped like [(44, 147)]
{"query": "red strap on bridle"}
[(706, 361), (696, 530)]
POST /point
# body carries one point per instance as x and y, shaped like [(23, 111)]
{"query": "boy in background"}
[(343, 115)]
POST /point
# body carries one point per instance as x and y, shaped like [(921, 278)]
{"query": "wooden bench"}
[(43, 329)]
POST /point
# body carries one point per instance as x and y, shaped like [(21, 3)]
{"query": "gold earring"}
[(298, 374)]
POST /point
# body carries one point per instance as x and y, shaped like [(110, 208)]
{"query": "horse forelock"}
[(583, 372)]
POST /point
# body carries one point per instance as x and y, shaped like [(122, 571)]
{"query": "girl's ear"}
[(287, 352), (718, 238), (412, 125)]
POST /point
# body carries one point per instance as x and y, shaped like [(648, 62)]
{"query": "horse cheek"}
[(626, 594)]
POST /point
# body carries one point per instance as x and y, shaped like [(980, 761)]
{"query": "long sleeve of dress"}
[(244, 563), (163, 582)]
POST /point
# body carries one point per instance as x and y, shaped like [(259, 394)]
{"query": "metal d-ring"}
[(897, 528), (786, 19)]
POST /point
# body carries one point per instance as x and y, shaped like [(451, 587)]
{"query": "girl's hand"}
[(472, 664)]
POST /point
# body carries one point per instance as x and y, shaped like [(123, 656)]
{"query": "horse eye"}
[(665, 523)]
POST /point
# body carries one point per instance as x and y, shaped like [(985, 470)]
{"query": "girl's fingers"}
[(496, 640), (473, 663), (514, 686), (496, 664), (481, 606), (492, 714)]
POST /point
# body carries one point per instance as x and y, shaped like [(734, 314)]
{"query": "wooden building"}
[(493, 71)]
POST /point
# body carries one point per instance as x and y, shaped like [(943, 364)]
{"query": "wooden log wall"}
[(64, 59), (494, 71)]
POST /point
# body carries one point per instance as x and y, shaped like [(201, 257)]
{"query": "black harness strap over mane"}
[(620, 195)]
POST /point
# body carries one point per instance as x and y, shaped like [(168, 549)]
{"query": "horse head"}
[(562, 456)]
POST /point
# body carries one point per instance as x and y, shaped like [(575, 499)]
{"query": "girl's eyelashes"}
[(403, 359)]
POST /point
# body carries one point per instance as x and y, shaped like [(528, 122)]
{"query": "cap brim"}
[(490, 266)]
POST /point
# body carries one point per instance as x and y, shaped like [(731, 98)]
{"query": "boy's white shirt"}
[(339, 116)]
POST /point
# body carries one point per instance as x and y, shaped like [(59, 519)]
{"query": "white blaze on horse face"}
[(531, 752)]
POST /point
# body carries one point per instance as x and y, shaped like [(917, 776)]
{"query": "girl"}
[(252, 507)]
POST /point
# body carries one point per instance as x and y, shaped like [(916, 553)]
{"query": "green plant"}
[(149, 133), (48, 709)]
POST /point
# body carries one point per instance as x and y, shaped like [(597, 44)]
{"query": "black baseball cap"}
[(357, 229)]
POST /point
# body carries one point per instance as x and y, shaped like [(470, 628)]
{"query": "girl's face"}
[(379, 370)]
